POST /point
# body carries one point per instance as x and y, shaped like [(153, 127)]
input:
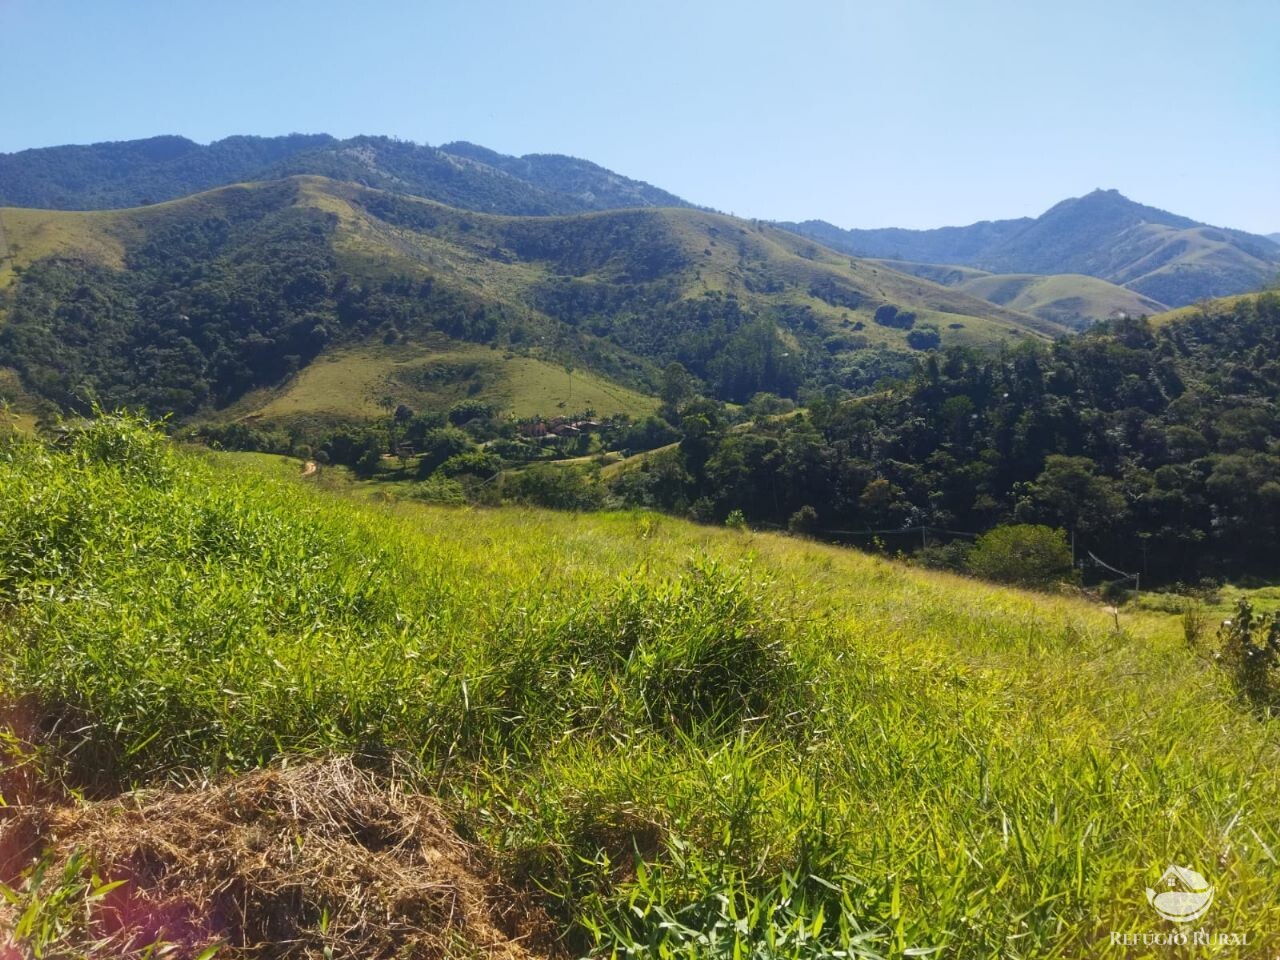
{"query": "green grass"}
[(1218, 605), (797, 740), (1073, 300), (370, 381)]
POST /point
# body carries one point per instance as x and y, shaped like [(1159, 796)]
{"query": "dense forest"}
[(1157, 447)]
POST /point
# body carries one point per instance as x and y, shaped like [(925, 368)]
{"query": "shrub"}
[(1027, 554), (924, 338), (887, 315), (804, 521), (125, 442), (441, 445), (1249, 648), (701, 650), (470, 409), (476, 462), (943, 556), (1194, 622), (555, 486)]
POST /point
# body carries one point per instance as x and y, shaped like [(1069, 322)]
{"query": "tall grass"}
[(693, 742)]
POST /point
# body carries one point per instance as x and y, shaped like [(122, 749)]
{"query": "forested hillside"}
[(183, 306), (137, 172), (1155, 445)]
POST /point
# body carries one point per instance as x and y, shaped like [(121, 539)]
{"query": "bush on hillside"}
[(804, 521), (1249, 648), (943, 556), (924, 338), (440, 445), (478, 463), (888, 315), (122, 441), (556, 486), (1028, 554), (703, 650)]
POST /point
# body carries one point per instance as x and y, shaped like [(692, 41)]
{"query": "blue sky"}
[(912, 113)]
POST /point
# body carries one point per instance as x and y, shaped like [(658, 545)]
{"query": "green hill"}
[(371, 380), (1072, 300), (1159, 255), (652, 731), (189, 305)]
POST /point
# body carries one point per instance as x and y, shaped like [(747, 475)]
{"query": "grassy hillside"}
[(1162, 256), (1218, 307), (30, 235), (697, 251), (368, 382), (1072, 300), (673, 738), (240, 288)]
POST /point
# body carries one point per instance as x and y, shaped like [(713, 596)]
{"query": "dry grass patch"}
[(317, 860)]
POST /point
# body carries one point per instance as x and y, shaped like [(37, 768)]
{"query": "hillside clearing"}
[(368, 382)]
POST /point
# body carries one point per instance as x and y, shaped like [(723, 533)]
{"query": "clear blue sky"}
[(912, 113)]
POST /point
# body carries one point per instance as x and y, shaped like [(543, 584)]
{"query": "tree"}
[(1031, 555), (677, 385), (1070, 492), (441, 445), (804, 521)]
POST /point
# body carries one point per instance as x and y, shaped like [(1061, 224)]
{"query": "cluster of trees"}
[(1155, 447)]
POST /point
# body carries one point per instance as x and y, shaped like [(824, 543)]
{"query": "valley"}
[(414, 551)]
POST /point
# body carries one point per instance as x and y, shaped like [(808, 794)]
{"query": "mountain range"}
[(197, 302), (180, 277), (1141, 258), (140, 172), (1167, 258)]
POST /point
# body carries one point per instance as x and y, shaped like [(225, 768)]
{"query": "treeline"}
[(1156, 447)]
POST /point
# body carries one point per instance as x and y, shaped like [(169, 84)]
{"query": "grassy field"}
[(1218, 604), (370, 381), (678, 738), (1073, 300)]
